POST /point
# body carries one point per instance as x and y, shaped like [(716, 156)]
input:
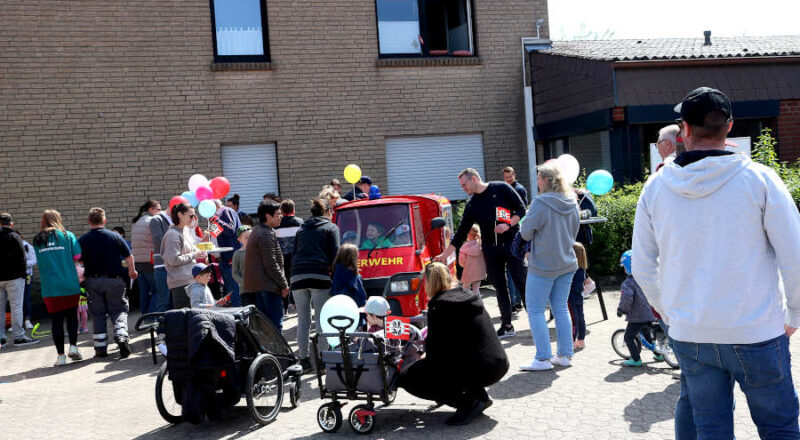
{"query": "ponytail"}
[(144, 208)]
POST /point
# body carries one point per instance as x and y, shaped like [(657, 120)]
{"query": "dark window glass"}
[(443, 28), (240, 31)]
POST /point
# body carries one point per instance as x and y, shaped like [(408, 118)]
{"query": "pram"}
[(351, 374), (264, 364)]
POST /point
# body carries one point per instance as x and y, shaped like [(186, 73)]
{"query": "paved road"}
[(594, 399)]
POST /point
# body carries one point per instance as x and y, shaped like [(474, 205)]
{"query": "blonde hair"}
[(347, 256), (580, 252), (329, 194), (437, 279), (477, 230), (51, 222), (555, 179)]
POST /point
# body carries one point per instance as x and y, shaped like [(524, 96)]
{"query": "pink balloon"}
[(204, 193)]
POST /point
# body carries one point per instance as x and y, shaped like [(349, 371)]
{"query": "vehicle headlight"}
[(399, 286)]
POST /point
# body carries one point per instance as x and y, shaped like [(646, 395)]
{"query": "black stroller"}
[(264, 364), (351, 374)]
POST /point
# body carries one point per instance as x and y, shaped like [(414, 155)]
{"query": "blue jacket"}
[(229, 221), (346, 282), (633, 303)]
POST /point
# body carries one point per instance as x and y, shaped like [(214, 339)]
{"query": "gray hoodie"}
[(551, 226)]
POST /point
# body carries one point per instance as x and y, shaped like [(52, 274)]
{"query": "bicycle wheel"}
[(264, 390), (169, 409), (618, 344), (665, 349)]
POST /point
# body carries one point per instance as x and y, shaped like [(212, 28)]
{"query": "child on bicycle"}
[(634, 305)]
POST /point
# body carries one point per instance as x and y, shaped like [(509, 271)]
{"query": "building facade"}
[(111, 104), (604, 101)]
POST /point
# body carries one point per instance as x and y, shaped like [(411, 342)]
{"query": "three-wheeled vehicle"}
[(397, 237)]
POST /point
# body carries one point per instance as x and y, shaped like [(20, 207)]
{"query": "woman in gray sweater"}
[(551, 225), (180, 254)]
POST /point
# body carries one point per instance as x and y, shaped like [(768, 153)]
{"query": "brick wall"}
[(111, 103), (789, 130)]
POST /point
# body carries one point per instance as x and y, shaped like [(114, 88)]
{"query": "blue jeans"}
[(268, 303), (764, 374), (539, 291), (231, 286), (161, 301), (147, 291), (684, 419), (512, 288)]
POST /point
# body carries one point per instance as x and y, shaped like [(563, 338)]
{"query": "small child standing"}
[(237, 265), (198, 292), (346, 280), (83, 313), (470, 257), (575, 301), (634, 305)]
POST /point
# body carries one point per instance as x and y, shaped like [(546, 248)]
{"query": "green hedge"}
[(613, 238)]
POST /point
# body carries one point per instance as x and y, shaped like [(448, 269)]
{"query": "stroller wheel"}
[(362, 419), (264, 390), (167, 406), (294, 392), (329, 417)]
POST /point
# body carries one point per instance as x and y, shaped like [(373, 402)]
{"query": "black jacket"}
[(462, 344), (482, 209), (12, 255), (585, 236), (355, 194), (315, 247), (286, 233)]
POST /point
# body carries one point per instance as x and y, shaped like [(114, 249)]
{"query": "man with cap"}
[(361, 191), (713, 236)]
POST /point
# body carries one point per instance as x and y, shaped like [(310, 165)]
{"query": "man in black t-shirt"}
[(497, 209), (102, 255)]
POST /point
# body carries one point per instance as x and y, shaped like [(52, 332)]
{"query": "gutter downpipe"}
[(527, 94)]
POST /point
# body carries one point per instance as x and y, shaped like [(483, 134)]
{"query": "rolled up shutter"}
[(252, 171)]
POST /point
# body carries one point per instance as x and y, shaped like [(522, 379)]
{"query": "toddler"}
[(575, 301), (198, 292), (634, 305), (346, 280), (470, 257), (83, 312), (237, 266)]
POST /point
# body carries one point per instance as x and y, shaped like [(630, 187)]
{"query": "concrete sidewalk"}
[(594, 399)]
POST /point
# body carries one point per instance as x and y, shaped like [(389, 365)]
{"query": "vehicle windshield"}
[(364, 227)]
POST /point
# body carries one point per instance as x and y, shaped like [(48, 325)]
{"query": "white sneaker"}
[(74, 354), (562, 361), (162, 348), (61, 361), (537, 365), (28, 324)]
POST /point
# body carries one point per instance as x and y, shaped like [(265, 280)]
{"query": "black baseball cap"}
[(365, 179), (701, 101)]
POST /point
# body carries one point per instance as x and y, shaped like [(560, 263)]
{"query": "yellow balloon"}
[(352, 173)]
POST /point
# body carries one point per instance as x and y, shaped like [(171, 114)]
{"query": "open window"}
[(239, 29), (426, 28)]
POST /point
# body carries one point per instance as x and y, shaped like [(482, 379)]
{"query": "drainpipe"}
[(527, 94)]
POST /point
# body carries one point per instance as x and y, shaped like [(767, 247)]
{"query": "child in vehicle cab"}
[(374, 235)]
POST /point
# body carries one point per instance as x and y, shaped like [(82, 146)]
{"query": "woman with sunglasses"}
[(180, 254)]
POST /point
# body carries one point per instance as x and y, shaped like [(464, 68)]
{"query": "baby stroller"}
[(352, 373), (263, 364)]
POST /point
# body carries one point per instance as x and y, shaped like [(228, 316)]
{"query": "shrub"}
[(764, 152), (613, 237)]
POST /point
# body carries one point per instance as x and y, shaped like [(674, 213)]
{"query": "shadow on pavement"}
[(522, 384), (625, 374), (40, 372), (652, 408)]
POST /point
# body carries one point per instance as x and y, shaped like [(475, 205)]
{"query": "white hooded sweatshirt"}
[(709, 240)]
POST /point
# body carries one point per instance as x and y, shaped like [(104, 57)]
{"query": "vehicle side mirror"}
[(437, 223)]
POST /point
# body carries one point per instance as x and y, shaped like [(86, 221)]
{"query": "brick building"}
[(109, 104), (604, 101)]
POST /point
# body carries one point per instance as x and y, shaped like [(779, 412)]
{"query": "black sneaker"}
[(465, 415), (506, 332), (100, 352), (306, 364), (23, 341), (124, 349), (517, 307)]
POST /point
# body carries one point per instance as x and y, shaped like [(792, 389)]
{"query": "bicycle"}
[(659, 346)]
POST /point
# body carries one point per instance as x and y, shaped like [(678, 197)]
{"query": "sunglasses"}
[(192, 216)]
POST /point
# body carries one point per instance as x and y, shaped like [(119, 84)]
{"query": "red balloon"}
[(177, 199), (221, 187)]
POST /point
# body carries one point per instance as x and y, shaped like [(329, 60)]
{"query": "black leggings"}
[(71, 316), (631, 338)]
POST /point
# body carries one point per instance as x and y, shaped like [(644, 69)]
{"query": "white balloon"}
[(196, 181), (569, 167), (339, 306)]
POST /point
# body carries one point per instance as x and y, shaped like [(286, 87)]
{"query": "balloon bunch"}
[(598, 183), (202, 193)]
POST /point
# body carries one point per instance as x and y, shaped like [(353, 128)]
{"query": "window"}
[(239, 28), (425, 28), (379, 227)]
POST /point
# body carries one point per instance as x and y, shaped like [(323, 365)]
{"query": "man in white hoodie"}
[(716, 243)]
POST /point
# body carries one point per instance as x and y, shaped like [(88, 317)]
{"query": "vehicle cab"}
[(397, 234)]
